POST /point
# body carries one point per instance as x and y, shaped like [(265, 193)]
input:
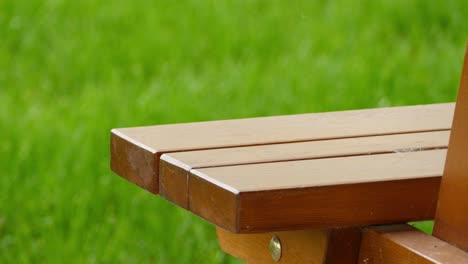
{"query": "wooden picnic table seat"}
[(312, 185)]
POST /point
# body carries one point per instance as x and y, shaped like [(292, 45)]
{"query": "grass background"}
[(72, 70)]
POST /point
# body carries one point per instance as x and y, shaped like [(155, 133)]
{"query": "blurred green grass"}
[(72, 70)]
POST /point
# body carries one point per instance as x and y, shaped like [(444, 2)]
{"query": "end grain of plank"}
[(174, 185), (134, 161), (216, 205)]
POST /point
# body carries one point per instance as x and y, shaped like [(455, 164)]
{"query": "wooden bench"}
[(311, 188)]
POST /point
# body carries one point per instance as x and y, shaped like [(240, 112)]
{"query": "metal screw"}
[(275, 248)]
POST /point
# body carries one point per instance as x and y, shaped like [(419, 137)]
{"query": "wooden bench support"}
[(340, 246), (283, 189), (396, 244), (451, 221)]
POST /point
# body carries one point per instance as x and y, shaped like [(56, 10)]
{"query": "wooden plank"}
[(349, 191), (129, 145), (133, 161), (175, 167), (308, 246), (451, 222), (310, 150), (328, 246), (343, 245), (327, 172), (404, 244)]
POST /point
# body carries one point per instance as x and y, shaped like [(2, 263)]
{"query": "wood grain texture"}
[(174, 185), (451, 222), (350, 191), (309, 150), (403, 244), (175, 167), (329, 246), (327, 172), (343, 245), (152, 142), (134, 162)]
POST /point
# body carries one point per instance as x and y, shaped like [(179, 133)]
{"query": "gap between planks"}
[(175, 168), (211, 158), (352, 191)]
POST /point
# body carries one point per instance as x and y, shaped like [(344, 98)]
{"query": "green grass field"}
[(72, 70)]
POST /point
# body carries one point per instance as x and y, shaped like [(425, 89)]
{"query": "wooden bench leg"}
[(395, 244), (340, 245), (451, 221)]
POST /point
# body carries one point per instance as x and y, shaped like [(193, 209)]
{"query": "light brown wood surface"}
[(135, 151), (326, 172), (348, 191), (310, 150), (451, 222), (175, 167), (327, 246), (403, 244)]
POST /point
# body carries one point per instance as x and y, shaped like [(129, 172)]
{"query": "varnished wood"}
[(129, 145), (328, 246), (326, 172), (343, 245), (298, 246), (175, 167), (349, 191), (173, 183), (404, 244), (451, 222), (133, 161)]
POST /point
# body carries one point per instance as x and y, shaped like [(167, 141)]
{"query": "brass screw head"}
[(275, 248)]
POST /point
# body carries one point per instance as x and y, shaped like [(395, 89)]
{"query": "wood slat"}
[(135, 151), (451, 222), (175, 167), (324, 246), (404, 244), (349, 191)]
